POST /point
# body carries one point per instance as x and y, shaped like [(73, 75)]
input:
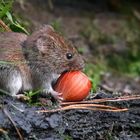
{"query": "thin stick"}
[(123, 98), (9, 117), (92, 105), (2, 130), (89, 104), (5, 134), (83, 107), (3, 25)]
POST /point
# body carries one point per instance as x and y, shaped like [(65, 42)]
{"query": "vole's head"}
[(53, 52)]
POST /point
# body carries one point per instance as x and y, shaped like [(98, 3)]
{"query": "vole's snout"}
[(77, 64), (81, 63)]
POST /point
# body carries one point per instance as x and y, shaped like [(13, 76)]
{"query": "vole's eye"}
[(69, 55)]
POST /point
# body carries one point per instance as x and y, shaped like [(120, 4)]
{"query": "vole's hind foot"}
[(21, 97)]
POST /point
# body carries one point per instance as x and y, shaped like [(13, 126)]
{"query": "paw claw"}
[(61, 98), (57, 96)]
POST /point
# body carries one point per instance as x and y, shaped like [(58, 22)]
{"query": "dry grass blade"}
[(2, 130), (9, 117), (123, 98), (4, 134), (89, 105), (4, 26), (93, 105), (82, 107)]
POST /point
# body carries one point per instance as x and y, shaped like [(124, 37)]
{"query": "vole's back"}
[(10, 46)]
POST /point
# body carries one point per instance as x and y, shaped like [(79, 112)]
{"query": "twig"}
[(123, 98), (9, 117), (81, 107), (2, 130), (17, 108), (93, 105), (3, 25), (4, 133), (89, 105)]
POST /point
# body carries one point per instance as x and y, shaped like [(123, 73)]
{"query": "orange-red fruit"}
[(74, 86)]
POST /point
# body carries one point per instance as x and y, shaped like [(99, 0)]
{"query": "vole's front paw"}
[(57, 96)]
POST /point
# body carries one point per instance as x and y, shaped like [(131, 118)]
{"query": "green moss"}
[(57, 25), (109, 136), (95, 71), (67, 137)]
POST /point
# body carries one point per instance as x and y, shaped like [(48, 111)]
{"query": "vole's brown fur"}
[(35, 61)]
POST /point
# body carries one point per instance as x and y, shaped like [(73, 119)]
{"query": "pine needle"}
[(4, 26), (92, 105)]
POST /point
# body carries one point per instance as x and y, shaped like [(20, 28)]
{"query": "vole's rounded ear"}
[(49, 27), (40, 44), (46, 28)]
